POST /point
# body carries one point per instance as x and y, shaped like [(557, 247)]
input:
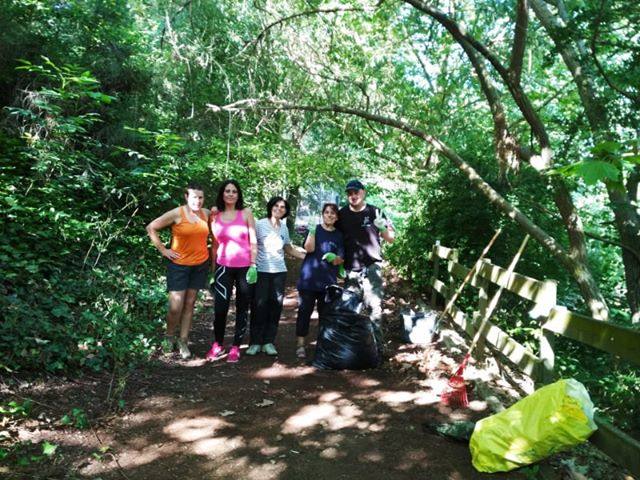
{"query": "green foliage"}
[(107, 119), (70, 296), (27, 454), (76, 418), (17, 409), (612, 384), (606, 165)]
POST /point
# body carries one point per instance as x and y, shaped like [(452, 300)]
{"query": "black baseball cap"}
[(354, 185)]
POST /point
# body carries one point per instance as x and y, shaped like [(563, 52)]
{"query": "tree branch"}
[(169, 21), (555, 29), (506, 145), (521, 99), (602, 239), (519, 40), (305, 13), (578, 269), (476, 180)]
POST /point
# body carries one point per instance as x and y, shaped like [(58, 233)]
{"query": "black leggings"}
[(268, 307), (224, 279), (306, 301)]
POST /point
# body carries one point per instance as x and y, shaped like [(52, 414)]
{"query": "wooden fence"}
[(553, 320)]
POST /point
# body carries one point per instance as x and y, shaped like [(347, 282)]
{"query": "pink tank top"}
[(234, 249)]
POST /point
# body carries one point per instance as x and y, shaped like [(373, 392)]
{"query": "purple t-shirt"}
[(316, 274)]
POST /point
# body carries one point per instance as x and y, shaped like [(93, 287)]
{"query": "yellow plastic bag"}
[(553, 418)]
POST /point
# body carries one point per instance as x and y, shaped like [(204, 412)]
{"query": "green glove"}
[(252, 275), (381, 224), (312, 229), (342, 273), (329, 257)]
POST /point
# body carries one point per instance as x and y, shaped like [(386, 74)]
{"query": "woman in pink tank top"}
[(233, 256)]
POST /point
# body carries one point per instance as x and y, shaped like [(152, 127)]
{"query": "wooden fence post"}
[(540, 312), (436, 269), (483, 291), (482, 284), (546, 372), (453, 258)]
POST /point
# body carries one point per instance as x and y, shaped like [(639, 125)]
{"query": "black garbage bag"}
[(345, 340)]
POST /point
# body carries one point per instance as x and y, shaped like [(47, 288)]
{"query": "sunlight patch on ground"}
[(400, 398), (214, 447), (193, 429), (331, 453), (201, 433), (332, 412), (478, 405), (412, 459), (135, 419), (364, 382), (281, 371), (73, 439), (372, 456), (161, 401), (133, 458), (243, 468)]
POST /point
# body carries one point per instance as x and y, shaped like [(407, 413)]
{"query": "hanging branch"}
[(282, 20), (169, 21), (515, 89), (578, 270), (615, 243), (476, 180)]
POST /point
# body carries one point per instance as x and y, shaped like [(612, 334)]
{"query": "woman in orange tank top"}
[(187, 262)]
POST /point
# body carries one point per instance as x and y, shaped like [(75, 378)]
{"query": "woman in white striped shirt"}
[(273, 242)]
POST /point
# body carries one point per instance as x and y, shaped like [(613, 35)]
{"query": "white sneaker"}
[(183, 348), (301, 352)]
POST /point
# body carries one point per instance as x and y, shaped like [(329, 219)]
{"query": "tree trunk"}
[(627, 223), (627, 219), (578, 250), (293, 197)]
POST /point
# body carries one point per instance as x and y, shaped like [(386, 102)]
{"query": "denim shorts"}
[(187, 277)]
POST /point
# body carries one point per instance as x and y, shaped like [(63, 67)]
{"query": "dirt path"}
[(262, 418)]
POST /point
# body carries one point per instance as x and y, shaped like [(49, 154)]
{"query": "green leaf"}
[(49, 449), (606, 147), (593, 171)]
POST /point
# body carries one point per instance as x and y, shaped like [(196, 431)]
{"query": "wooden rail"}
[(554, 320)]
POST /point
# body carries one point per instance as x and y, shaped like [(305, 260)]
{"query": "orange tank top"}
[(190, 240)]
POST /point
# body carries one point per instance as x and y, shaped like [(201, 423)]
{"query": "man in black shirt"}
[(363, 226)]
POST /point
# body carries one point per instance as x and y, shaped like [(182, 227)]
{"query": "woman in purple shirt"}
[(325, 252)]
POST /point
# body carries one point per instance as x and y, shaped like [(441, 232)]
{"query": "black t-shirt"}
[(361, 237)]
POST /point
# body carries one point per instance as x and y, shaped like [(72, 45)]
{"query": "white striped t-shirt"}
[(271, 244)]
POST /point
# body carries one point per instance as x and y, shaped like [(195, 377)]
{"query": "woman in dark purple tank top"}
[(325, 251)]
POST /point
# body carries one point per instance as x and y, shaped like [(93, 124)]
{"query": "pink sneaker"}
[(215, 352), (234, 355)]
